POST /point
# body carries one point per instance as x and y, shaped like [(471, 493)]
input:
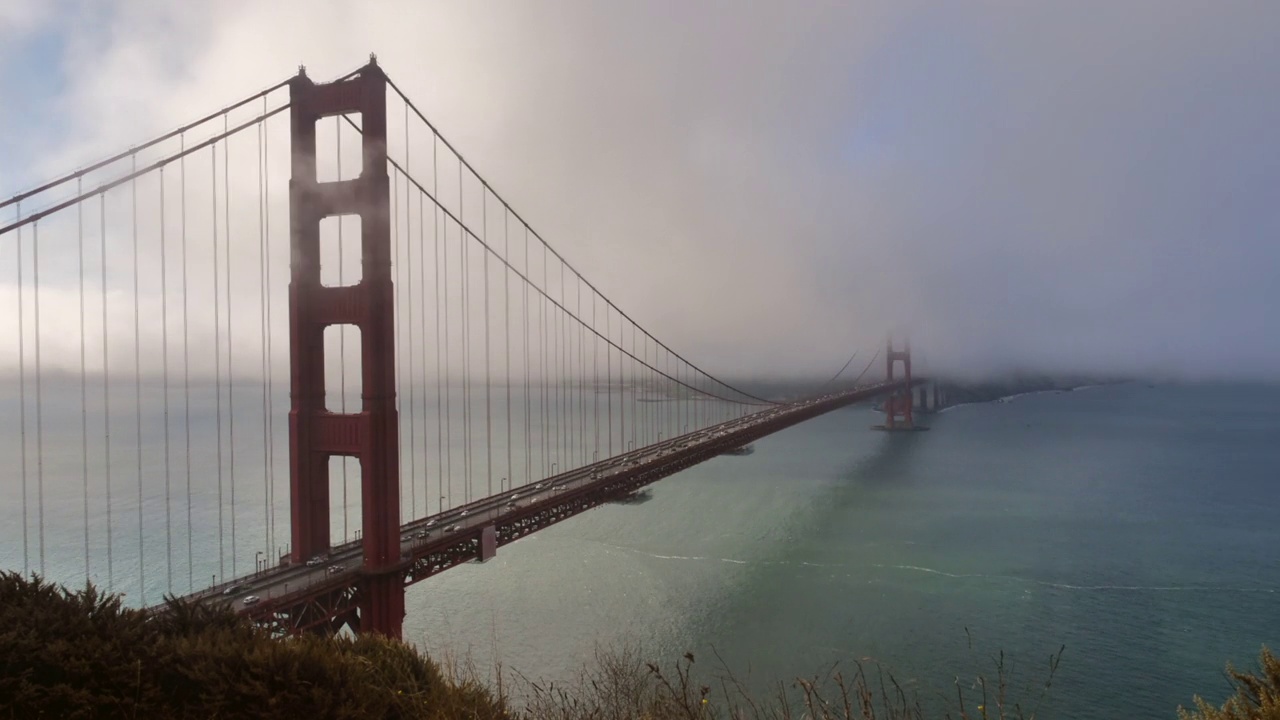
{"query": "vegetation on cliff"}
[(82, 654)]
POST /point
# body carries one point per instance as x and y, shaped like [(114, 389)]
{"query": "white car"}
[(250, 599)]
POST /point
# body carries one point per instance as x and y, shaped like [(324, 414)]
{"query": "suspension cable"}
[(557, 305), (133, 175), (134, 150), (486, 184)]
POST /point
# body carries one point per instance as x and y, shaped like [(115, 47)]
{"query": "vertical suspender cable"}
[(448, 409), (421, 308), (435, 261), (186, 370), (595, 373), (464, 262), (506, 317), (35, 288), (634, 393), (622, 381), (542, 343), (22, 398), (137, 386), (266, 223), (608, 374), (84, 393), (647, 414), (164, 373), (557, 364), (408, 282), (562, 385), (488, 384), (217, 357), (582, 380), (422, 313), (262, 342), (106, 398), (528, 391), (231, 380)]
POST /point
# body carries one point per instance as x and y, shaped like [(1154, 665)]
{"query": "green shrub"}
[(1257, 695), (67, 654)]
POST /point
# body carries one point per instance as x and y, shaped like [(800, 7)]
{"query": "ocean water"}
[(1135, 525)]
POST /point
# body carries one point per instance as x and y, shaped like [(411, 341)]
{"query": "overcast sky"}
[(1072, 185)]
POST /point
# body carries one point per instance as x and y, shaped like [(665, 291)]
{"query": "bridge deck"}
[(294, 598)]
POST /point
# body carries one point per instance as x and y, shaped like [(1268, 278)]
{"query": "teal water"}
[(1134, 525)]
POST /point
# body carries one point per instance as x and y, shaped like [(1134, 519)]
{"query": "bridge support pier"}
[(371, 435)]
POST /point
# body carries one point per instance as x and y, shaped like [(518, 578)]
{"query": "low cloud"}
[(1088, 186)]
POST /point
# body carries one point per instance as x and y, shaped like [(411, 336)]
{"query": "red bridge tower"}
[(898, 406), (371, 434)]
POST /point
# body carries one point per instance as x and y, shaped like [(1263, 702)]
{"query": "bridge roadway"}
[(322, 596)]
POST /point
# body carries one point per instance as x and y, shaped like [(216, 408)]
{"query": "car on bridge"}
[(250, 599)]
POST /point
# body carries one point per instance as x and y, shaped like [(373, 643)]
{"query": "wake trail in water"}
[(1070, 586), (943, 573), (696, 558)]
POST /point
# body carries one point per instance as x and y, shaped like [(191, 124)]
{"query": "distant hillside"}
[(987, 390)]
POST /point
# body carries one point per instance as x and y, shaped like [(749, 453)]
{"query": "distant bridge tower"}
[(316, 434), (898, 406)]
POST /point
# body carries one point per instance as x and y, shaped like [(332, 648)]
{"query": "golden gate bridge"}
[(437, 380)]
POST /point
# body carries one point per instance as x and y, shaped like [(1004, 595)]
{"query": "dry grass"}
[(621, 684)]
